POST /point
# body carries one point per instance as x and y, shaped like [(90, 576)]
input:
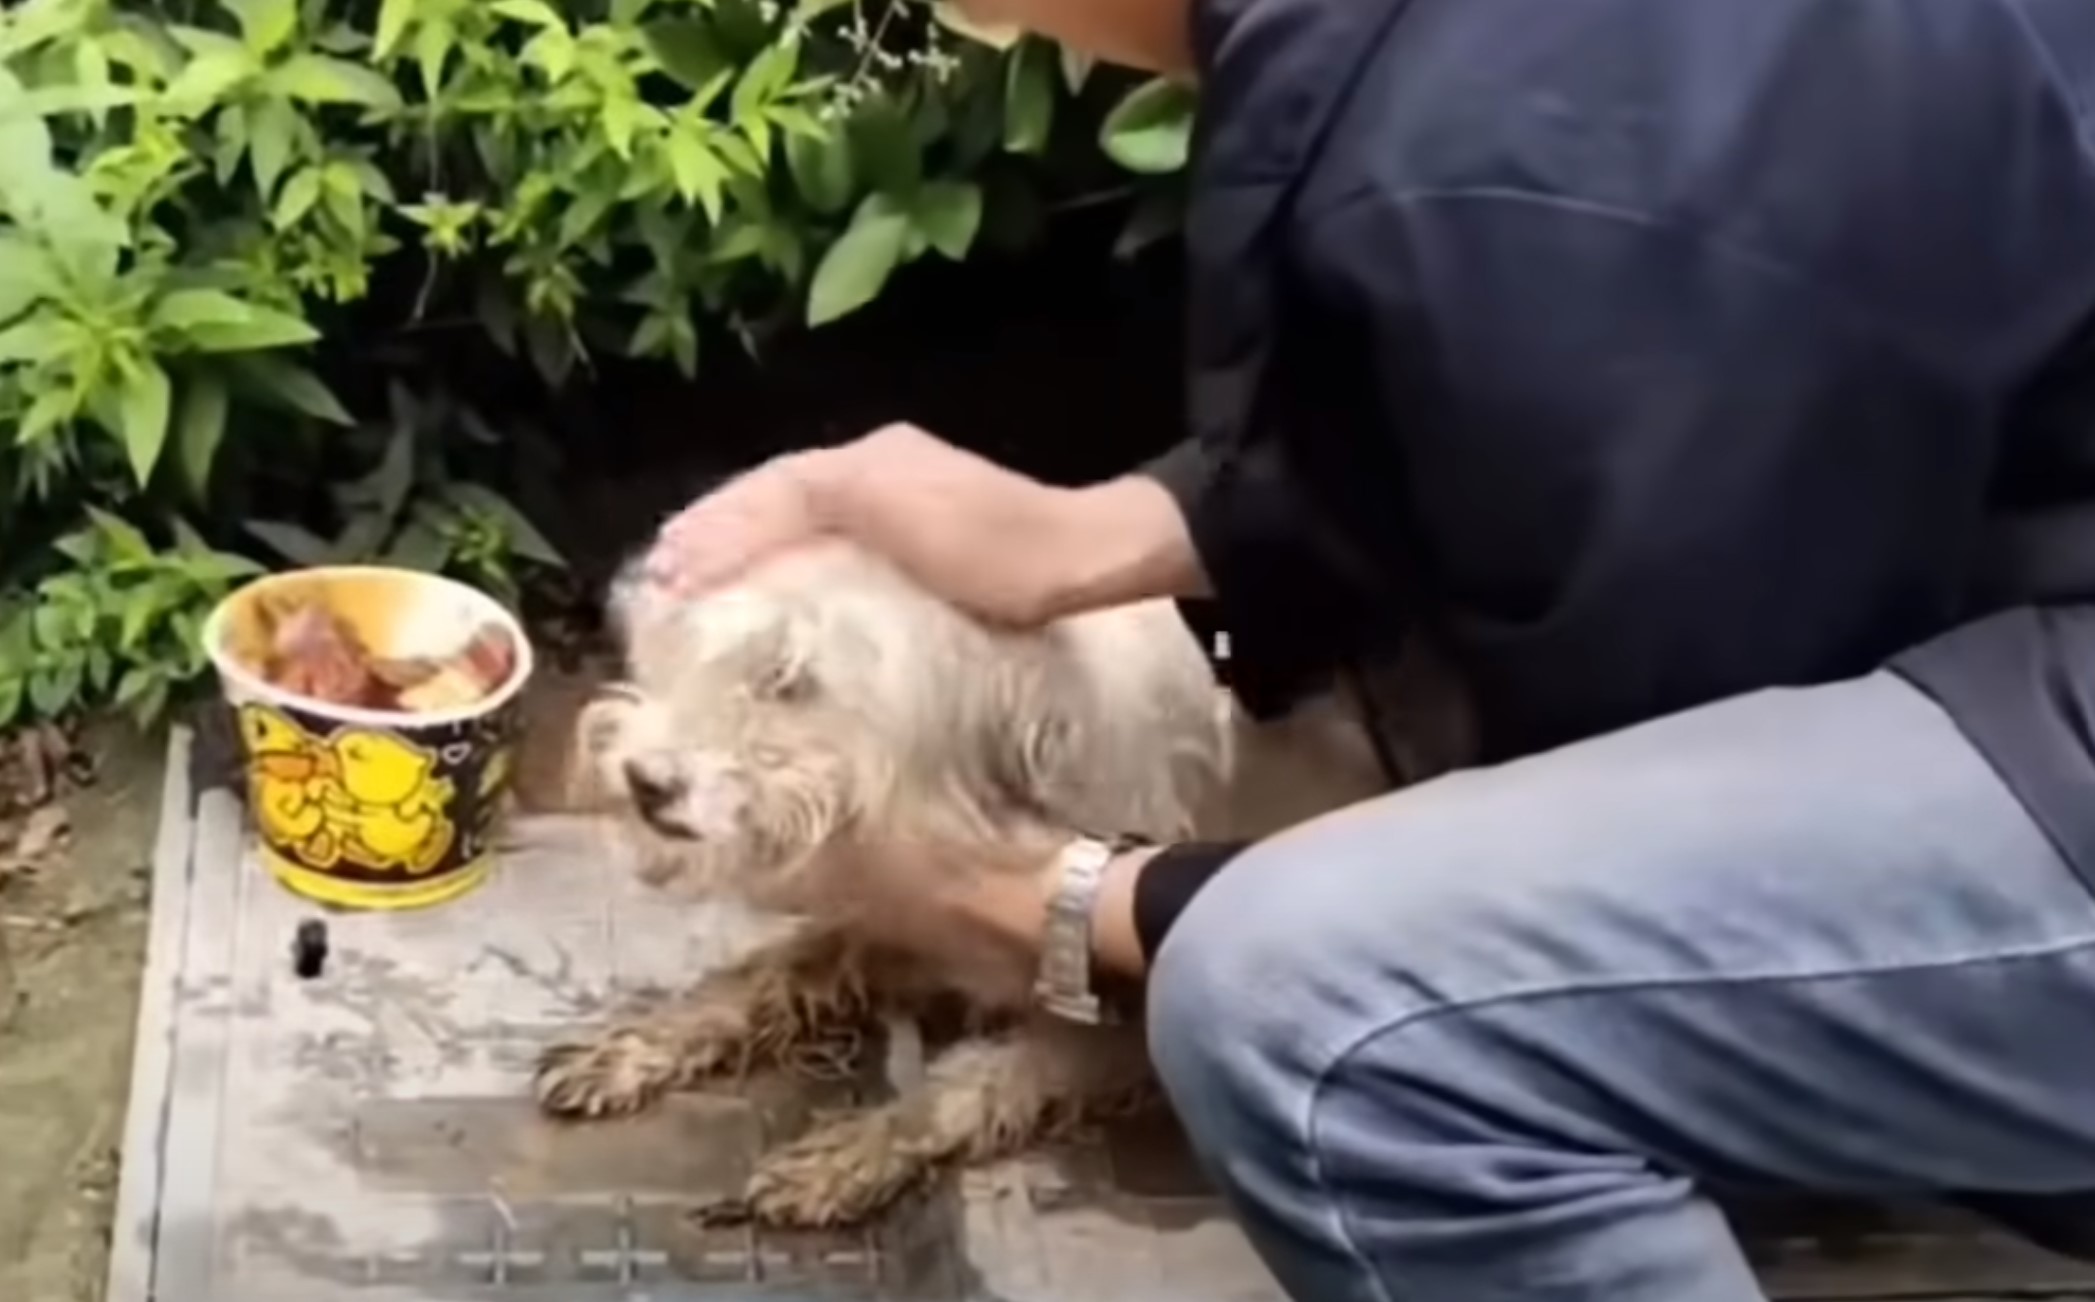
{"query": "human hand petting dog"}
[(1005, 548)]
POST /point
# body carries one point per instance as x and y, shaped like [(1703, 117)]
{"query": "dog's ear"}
[(771, 643), (1119, 747), (1038, 750), (783, 668)]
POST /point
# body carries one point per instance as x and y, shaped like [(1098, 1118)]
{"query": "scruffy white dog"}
[(770, 735)]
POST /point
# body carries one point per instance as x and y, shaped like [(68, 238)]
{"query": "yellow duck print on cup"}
[(361, 796)]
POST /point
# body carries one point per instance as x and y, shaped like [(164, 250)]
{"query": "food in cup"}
[(313, 652)]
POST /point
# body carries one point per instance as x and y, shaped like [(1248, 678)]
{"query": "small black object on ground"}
[(309, 949)]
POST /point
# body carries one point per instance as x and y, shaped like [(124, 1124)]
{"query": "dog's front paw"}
[(619, 1072), (838, 1176)]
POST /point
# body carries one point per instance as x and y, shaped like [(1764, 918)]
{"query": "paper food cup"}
[(364, 808)]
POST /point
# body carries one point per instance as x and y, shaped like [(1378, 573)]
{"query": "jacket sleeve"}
[(1289, 593)]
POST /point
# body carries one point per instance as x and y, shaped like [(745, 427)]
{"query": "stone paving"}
[(365, 1136)]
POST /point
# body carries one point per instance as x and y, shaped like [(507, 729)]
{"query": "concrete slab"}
[(365, 1136)]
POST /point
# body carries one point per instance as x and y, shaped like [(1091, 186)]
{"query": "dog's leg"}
[(785, 997), (982, 1099)]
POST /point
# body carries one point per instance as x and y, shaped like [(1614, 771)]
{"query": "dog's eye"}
[(793, 688)]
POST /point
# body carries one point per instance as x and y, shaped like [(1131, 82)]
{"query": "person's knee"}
[(1348, 928), (1256, 991)]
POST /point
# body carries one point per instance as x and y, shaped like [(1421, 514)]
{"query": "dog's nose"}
[(653, 789)]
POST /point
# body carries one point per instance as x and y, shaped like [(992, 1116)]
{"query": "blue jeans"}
[(1495, 1037)]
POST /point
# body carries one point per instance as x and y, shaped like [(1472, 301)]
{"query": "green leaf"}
[(39, 339), (393, 18), (53, 621), (523, 536), (51, 101), (687, 51), (53, 691), (552, 50), (151, 705), (360, 539), (99, 668), (582, 216), (323, 79), (822, 170), (794, 120), (271, 125), (126, 543), (209, 321), (52, 408), (206, 79), (287, 385), (200, 426), (858, 265), (25, 142), (1151, 129), (295, 543), (532, 13), (698, 171), (621, 116), (767, 75), (300, 193), (886, 147), (1076, 67), (63, 209), (947, 215), (145, 604), (419, 546), (230, 127), (202, 42), (264, 24), (91, 65), (432, 47), (133, 685), (187, 540), (1155, 217), (25, 277), (391, 481), (745, 29), (142, 405), (1029, 98), (211, 567)]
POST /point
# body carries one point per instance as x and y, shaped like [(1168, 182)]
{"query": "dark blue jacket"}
[(1645, 352)]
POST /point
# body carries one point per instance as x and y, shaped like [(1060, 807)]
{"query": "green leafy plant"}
[(205, 203), (121, 623), (412, 510)]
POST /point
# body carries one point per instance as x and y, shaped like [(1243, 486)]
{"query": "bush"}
[(193, 194)]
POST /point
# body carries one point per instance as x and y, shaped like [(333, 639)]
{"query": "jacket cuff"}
[(1283, 584)]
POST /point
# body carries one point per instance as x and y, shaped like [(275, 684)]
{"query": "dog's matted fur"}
[(783, 740)]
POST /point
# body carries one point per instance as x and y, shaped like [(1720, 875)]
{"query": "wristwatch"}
[(1063, 986)]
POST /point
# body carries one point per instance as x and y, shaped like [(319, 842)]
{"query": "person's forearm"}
[(1127, 542), (1057, 551)]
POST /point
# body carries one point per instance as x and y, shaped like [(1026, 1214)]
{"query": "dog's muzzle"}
[(655, 793)]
